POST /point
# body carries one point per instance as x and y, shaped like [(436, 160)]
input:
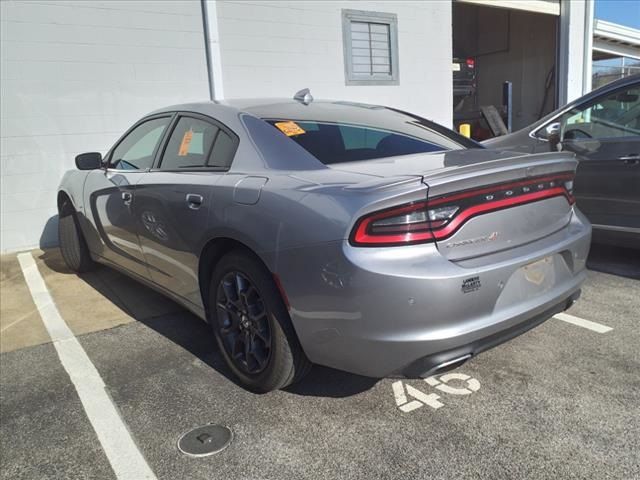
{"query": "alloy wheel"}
[(243, 323)]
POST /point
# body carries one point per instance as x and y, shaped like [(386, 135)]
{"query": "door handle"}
[(630, 159), (126, 198), (194, 201)]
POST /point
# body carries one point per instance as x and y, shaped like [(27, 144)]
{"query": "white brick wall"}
[(274, 48), (74, 76)]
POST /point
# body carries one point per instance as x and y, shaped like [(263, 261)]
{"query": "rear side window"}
[(189, 145), (338, 142), (223, 151), (136, 150)]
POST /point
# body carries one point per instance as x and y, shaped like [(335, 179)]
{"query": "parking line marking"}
[(581, 322), (398, 393), (121, 451)]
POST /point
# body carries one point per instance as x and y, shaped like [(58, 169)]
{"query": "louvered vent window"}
[(370, 48)]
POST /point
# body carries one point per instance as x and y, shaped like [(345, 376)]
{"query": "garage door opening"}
[(496, 45)]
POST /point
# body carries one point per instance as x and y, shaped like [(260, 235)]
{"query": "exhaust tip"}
[(443, 367), (450, 365)]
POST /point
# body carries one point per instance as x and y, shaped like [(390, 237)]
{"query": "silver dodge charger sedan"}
[(354, 236)]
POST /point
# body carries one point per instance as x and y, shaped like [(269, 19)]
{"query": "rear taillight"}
[(406, 224), (471, 63), (441, 217)]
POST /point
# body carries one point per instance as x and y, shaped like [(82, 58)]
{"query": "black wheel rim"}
[(243, 323)]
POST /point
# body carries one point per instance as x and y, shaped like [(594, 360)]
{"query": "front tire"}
[(72, 243), (252, 325)]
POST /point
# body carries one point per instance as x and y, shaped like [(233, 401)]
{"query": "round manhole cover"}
[(205, 440)]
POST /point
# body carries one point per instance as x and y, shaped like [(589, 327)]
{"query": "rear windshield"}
[(336, 142)]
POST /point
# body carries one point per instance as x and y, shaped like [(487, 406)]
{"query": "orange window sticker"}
[(184, 145), (290, 128)]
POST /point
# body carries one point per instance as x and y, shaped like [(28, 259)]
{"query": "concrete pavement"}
[(558, 402)]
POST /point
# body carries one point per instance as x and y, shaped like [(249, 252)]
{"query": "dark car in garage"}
[(602, 128)]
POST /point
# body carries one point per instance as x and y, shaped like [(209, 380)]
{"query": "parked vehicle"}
[(603, 130), (354, 236)]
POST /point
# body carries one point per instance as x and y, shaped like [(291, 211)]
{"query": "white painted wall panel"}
[(274, 48), (75, 75), (574, 15)]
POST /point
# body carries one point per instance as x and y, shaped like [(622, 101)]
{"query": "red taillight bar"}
[(501, 186), (362, 234), (496, 205)]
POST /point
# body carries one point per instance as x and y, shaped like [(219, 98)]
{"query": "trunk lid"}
[(503, 203), (482, 201)]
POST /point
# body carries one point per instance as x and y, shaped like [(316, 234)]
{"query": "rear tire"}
[(72, 243), (252, 325)]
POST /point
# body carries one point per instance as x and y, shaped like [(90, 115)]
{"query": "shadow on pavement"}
[(327, 382), (614, 260), (183, 328)]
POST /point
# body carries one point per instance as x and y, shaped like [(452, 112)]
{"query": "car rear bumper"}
[(403, 311), (443, 361)]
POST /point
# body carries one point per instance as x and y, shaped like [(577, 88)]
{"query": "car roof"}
[(266, 107), (279, 108), (228, 111), (329, 111), (322, 111)]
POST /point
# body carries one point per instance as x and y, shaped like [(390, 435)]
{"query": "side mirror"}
[(89, 161), (553, 135)]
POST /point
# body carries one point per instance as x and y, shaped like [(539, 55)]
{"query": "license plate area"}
[(540, 271), (531, 281)]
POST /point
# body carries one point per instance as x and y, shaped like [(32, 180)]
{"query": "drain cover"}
[(205, 440)]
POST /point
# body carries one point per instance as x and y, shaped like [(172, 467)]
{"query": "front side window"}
[(136, 150), (370, 47), (615, 115), (189, 145), (334, 142)]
